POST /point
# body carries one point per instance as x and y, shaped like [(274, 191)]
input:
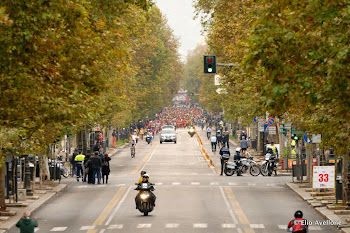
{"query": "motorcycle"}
[(251, 165), (208, 135), (269, 165), (148, 139), (230, 167), (145, 204), (191, 132)]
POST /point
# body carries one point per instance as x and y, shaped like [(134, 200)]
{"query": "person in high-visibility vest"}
[(79, 159), (274, 149)]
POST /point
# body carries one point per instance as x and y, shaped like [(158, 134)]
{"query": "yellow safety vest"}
[(79, 158), (274, 149)]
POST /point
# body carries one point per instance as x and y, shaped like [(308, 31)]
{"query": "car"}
[(169, 127), (168, 135)]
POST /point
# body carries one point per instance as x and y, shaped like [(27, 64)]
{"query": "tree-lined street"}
[(191, 197)]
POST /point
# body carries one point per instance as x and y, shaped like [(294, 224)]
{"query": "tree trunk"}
[(345, 179), (44, 169), (2, 189)]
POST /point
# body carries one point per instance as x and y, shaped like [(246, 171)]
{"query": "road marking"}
[(36, 229), (118, 185), (315, 228), (102, 231), (229, 207), (159, 183), (118, 206), (256, 225), (107, 210), (214, 183), (271, 185), (232, 184), (249, 230), (175, 183), (194, 173), (111, 227), (59, 229), (82, 186), (282, 227), (144, 225), (172, 225), (195, 183), (200, 225), (84, 228), (228, 225), (251, 184), (144, 161), (237, 208)]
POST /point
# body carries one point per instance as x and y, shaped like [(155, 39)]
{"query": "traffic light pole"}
[(230, 65)]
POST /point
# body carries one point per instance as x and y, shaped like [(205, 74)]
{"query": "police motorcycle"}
[(148, 138), (231, 167), (270, 164), (145, 203), (251, 165)]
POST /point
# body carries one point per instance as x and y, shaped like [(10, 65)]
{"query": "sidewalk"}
[(40, 197), (324, 203)]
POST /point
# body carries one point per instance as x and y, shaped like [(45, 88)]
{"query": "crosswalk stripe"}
[(159, 183), (200, 225), (228, 225), (176, 183), (282, 227), (58, 229), (270, 185), (256, 225), (195, 183), (111, 227), (84, 228), (251, 184), (232, 184), (172, 225), (147, 225), (214, 183)]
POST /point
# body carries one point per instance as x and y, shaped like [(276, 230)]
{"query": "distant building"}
[(181, 98)]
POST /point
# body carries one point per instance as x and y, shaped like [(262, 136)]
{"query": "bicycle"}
[(132, 152)]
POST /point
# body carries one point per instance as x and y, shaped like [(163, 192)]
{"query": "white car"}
[(168, 135)]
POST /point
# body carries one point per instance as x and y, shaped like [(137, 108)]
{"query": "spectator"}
[(96, 164), (105, 168), (26, 224)]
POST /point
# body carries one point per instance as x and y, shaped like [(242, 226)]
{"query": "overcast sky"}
[(180, 15)]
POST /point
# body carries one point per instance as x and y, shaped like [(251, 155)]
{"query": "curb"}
[(33, 207), (116, 150), (328, 214), (206, 156)]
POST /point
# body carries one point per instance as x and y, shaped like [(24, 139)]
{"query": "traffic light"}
[(210, 64)]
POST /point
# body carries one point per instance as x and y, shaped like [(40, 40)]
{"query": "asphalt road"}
[(191, 197)]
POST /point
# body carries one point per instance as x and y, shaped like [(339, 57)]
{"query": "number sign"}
[(323, 177)]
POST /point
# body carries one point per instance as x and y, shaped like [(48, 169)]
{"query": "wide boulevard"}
[(191, 197)]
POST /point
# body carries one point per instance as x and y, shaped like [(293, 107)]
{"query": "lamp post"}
[(27, 179)]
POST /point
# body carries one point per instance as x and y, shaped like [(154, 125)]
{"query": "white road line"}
[(118, 206), (270, 185), (315, 228), (119, 226), (59, 229), (176, 183), (195, 183), (159, 183), (232, 184), (172, 225), (228, 225), (214, 183), (84, 228), (118, 185), (36, 229), (256, 225), (200, 225), (102, 231), (142, 168), (101, 185), (82, 186), (228, 206), (282, 227), (144, 225), (251, 184), (194, 173)]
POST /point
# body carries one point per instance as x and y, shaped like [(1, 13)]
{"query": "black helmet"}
[(143, 172), (298, 214)]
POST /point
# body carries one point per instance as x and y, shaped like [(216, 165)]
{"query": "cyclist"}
[(133, 147)]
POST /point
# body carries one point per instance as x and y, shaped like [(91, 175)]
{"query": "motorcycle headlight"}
[(144, 196)]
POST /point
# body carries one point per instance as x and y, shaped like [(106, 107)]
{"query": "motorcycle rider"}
[(142, 173), (272, 156), (145, 179), (298, 224), (223, 151), (237, 159)]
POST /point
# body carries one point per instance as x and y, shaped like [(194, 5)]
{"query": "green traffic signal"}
[(209, 64)]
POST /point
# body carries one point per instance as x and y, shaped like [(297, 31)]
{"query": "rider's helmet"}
[(238, 149), (145, 176), (298, 214), (269, 150), (143, 173)]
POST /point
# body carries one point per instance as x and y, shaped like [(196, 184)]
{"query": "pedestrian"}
[(87, 166), (96, 164), (114, 135), (72, 161), (213, 142), (79, 159), (243, 144), (218, 137), (105, 168), (224, 154), (227, 139), (26, 224), (97, 147)]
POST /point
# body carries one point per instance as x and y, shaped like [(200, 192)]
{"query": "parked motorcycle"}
[(145, 204), (269, 165), (251, 165)]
